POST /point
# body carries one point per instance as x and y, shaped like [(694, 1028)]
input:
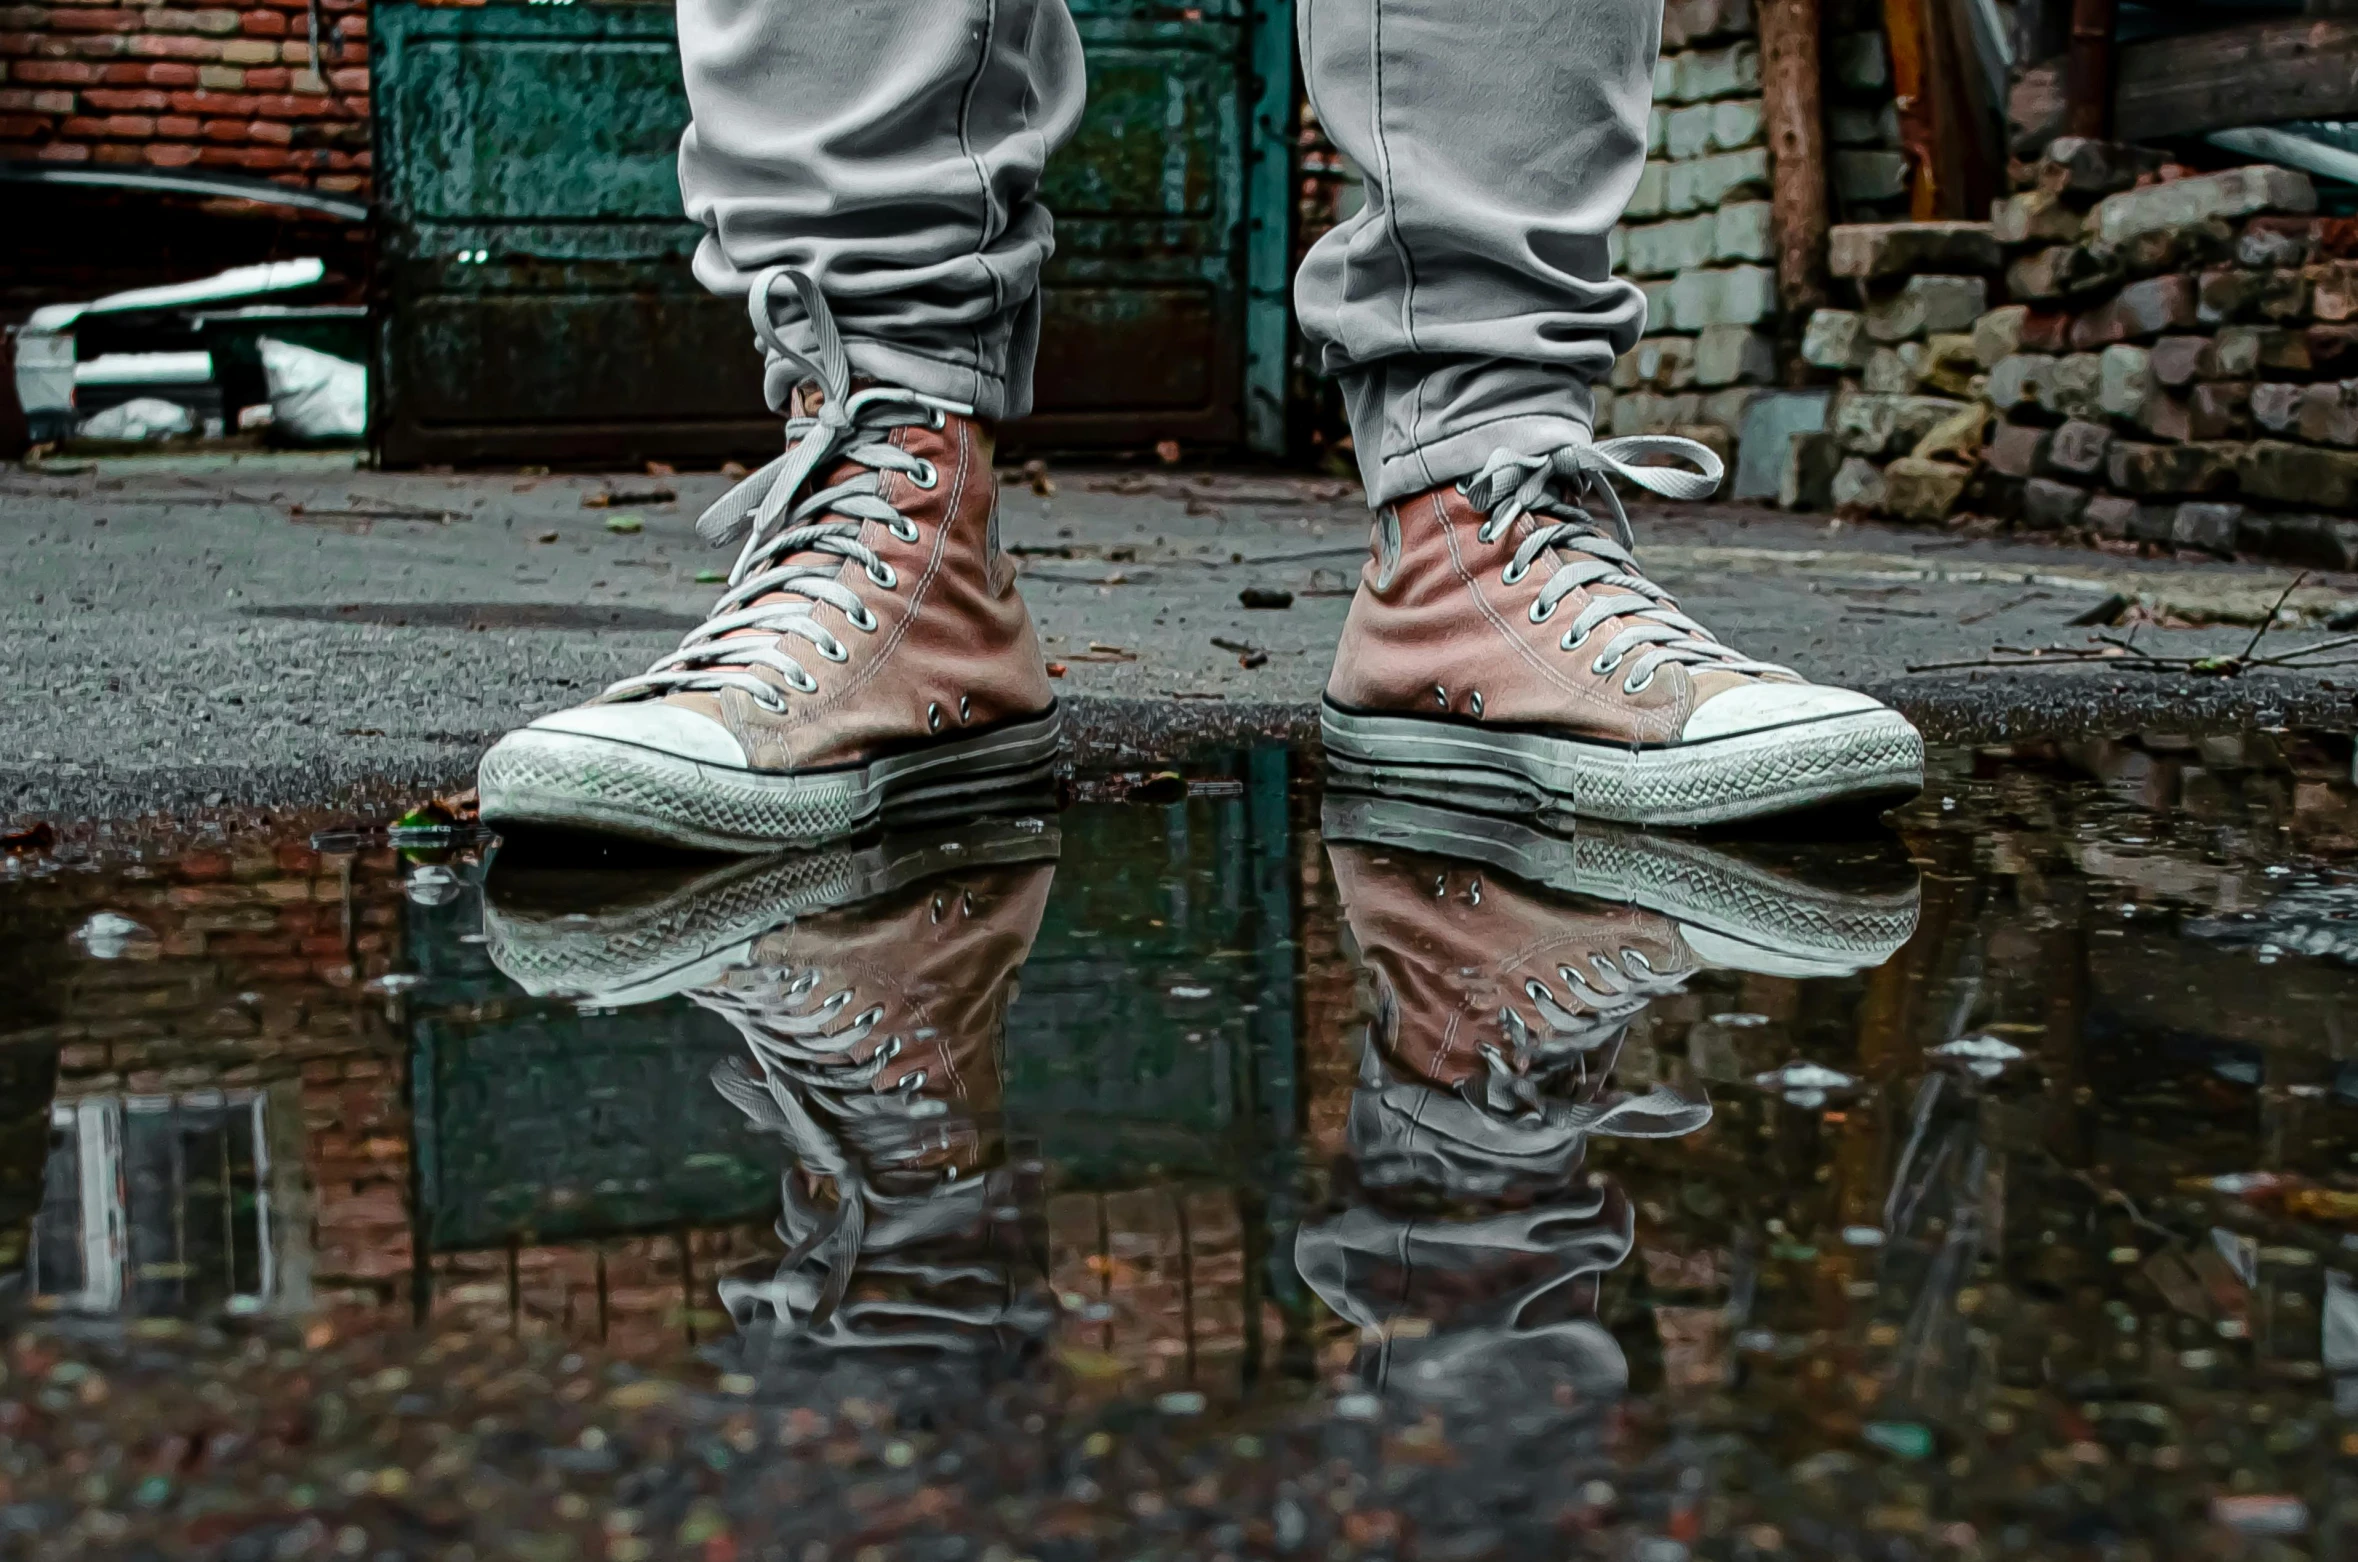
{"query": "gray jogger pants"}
[(893, 148)]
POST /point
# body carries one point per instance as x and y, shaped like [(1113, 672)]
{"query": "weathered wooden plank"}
[(1904, 27), (2253, 74), (1797, 149), (2087, 69)]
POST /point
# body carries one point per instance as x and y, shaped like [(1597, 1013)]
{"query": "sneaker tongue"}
[(704, 702), (1710, 681)]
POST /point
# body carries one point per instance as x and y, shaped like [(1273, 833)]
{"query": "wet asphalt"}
[(178, 635)]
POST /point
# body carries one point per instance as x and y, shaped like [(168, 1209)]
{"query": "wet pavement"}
[(1203, 1165), (177, 634)]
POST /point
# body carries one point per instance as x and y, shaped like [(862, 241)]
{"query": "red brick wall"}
[(211, 88)]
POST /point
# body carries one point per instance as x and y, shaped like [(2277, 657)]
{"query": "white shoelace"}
[(1511, 486), (796, 544)]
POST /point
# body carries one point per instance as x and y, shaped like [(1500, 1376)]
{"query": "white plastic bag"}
[(314, 395), (143, 417)]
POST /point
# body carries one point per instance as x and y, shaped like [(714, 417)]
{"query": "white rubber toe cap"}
[(1752, 707), (668, 729)]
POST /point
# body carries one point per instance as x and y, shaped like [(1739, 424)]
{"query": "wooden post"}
[(1911, 93), (1797, 150), (2087, 75)]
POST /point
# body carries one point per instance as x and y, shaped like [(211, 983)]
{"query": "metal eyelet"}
[(932, 477), (1604, 665), (1536, 990), (1542, 612), (861, 618), (1638, 685), (933, 717), (1573, 642), (1474, 702), (1513, 574), (871, 1017), (834, 650), (941, 420), (1441, 696), (965, 707), (801, 681), (884, 574)]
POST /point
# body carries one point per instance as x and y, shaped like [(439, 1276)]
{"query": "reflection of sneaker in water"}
[(1470, 1255), (1499, 1012), (870, 648), (618, 937), (874, 1038), (1809, 912)]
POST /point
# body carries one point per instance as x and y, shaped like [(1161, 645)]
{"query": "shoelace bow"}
[(795, 544), (1588, 555)]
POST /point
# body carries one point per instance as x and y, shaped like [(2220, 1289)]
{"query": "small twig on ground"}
[(2003, 607), (2269, 622)]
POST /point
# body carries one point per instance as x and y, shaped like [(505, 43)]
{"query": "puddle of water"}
[(1229, 1168)]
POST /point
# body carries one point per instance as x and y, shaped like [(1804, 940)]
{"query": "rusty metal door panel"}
[(535, 297), (579, 125), (1143, 313), (536, 301)]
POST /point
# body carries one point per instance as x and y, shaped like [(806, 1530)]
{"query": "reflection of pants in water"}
[(1485, 1074), (875, 1036), (893, 149)]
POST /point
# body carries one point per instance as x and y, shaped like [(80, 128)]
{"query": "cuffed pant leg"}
[(892, 149), (1470, 305)]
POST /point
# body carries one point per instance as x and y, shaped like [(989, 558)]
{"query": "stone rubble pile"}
[(1905, 427), (2178, 362), (2125, 351)]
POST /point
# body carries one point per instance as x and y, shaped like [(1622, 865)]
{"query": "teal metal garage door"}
[(535, 302)]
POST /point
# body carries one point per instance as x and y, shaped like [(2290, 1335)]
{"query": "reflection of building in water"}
[(158, 1204), (487, 1160)]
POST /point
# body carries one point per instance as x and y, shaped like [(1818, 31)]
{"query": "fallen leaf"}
[(1056, 669), (1085, 1363), (2321, 1204), (639, 1395), (1167, 451)]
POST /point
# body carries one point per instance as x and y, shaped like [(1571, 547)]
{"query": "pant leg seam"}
[(1392, 228), (1375, 49), (982, 177)]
